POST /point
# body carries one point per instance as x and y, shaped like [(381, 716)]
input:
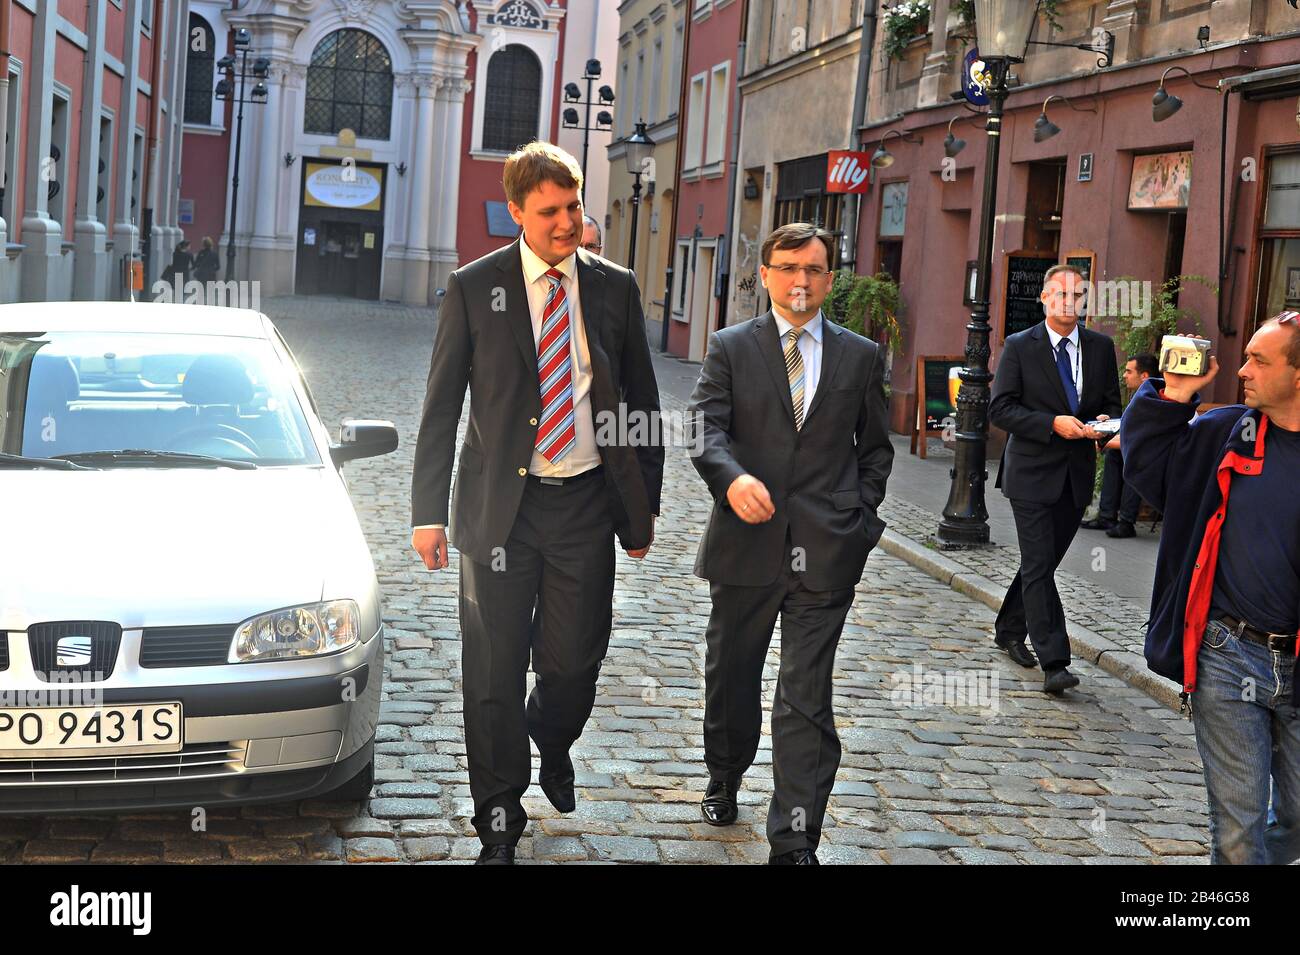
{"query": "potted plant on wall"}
[(868, 305), (904, 21)]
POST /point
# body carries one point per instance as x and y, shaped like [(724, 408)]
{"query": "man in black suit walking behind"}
[(551, 342), (1050, 379), (795, 451)]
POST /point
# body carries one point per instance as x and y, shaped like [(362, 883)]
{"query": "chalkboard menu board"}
[(936, 397), (1025, 271)]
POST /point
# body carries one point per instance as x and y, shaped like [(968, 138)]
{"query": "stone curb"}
[(1084, 643)]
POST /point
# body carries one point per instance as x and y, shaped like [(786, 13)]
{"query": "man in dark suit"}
[(551, 342), (793, 446), (1051, 378)]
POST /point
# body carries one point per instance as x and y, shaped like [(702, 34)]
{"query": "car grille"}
[(103, 638), (195, 760), (186, 646)]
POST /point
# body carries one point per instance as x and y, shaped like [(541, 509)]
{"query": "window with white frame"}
[(200, 71), (656, 70), (675, 91), (694, 153), (59, 173), (715, 145), (350, 86), (8, 200), (513, 98), (622, 100), (638, 108)]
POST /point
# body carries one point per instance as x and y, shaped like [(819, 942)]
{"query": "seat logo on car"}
[(72, 652)]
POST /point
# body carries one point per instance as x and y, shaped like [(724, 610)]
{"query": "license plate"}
[(91, 730)]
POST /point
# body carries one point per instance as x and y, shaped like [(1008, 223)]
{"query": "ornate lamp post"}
[(1002, 32), (639, 149), (571, 119), (228, 89)]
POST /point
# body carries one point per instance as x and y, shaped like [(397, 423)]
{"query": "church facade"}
[(373, 168)]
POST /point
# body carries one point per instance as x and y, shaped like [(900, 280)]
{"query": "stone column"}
[(416, 284), (42, 235), (125, 226), (446, 201), (90, 236)]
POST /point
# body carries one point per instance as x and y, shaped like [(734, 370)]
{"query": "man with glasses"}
[(1225, 608), (1051, 378), (791, 424), (591, 237)]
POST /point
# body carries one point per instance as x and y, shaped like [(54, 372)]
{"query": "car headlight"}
[(296, 632)]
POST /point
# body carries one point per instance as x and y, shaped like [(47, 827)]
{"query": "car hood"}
[(175, 546)]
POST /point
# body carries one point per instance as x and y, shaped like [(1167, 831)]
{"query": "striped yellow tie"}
[(794, 372)]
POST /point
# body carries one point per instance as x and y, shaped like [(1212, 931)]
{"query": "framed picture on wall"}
[(1160, 181)]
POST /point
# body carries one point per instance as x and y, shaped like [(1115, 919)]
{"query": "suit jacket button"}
[(523, 471), (532, 421)]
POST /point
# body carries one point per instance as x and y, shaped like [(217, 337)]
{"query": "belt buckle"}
[(551, 480), (1277, 642)]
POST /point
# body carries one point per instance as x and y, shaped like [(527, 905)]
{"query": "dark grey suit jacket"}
[(826, 480), (1028, 394), (493, 352)]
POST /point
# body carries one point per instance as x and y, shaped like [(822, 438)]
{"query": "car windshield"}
[(74, 393)]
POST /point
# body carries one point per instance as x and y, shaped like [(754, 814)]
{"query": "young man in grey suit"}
[(551, 342), (793, 444)]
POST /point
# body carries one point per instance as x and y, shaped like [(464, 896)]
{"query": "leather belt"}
[(561, 481), (1280, 642)]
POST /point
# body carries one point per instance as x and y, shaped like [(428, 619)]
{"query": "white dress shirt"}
[(584, 455), (1074, 352), (810, 350)]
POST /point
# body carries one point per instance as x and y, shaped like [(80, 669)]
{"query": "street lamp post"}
[(228, 90), (1002, 33), (604, 119), (639, 149)]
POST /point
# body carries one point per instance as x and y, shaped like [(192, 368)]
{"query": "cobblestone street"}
[(1003, 774)]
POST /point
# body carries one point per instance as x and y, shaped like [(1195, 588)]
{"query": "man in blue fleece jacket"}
[(1225, 608)]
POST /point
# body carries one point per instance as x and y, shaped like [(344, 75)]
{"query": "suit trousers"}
[(548, 597), (1032, 604), (805, 747)]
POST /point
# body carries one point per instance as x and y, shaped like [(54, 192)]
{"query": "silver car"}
[(189, 614)]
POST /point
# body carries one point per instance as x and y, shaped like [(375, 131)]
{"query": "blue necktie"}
[(1067, 376)]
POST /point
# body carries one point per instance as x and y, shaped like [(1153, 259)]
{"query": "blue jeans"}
[(1247, 730)]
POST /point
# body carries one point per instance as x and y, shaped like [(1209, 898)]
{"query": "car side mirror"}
[(363, 438)]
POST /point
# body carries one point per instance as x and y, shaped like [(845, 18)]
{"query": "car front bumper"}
[(265, 740)]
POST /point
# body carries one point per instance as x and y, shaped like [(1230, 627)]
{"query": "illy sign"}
[(847, 171)]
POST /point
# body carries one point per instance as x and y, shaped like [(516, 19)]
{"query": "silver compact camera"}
[(1185, 355)]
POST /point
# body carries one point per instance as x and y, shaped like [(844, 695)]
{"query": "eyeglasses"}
[(789, 270), (592, 246)]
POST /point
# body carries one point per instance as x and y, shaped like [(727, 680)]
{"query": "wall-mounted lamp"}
[(289, 160), (401, 168), (882, 157), (1164, 104), (1044, 128)]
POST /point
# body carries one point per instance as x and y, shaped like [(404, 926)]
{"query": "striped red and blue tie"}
[(556, 435)]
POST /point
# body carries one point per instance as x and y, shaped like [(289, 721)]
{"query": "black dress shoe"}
[(1018, 652), (719, 804), (1122, 529), (797, 857), (555, 776), (1097, 524), (1056, 682), (496, 855)]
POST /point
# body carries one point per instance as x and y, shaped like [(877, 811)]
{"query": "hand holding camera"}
[(1187, 365)]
